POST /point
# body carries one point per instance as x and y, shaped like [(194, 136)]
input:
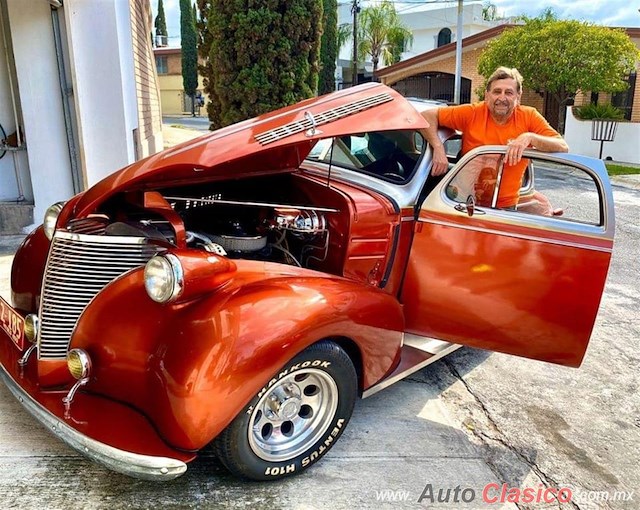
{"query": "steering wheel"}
[(393, 176)]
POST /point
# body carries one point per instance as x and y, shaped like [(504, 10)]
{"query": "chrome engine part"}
[(301, 222)]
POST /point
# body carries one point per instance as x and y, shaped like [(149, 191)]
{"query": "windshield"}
[(389, 155)]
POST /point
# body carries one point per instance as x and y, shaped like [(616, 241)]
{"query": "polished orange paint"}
[(500, 289), (27, 271), (203, 272), (193, 366)]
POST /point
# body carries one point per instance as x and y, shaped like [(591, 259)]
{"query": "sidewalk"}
[(628, 181), (177, 135)]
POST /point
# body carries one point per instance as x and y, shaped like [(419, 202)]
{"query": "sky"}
[(614, 13)]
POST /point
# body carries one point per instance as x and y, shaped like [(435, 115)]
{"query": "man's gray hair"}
[(504, 73)]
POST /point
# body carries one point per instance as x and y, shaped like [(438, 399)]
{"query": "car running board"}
[(417, 353)]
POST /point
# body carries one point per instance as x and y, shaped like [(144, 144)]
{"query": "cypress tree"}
[(189, 52), (328, 47), (262, 57), (161, 23), (206, 70)]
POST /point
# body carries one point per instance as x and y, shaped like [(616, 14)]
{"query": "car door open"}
[(519, 281)]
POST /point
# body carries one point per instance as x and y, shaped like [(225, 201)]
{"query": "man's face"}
[(502, 98)]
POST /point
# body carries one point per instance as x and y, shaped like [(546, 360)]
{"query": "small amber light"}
[(31, 323), (79, 363)]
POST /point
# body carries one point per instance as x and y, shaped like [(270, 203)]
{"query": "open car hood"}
[(274, 142)]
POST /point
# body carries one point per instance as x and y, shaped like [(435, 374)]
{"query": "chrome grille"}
[(91, 225), (79, 266)]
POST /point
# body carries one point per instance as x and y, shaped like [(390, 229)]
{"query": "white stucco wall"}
[(39, 89), (103, 83), (624, 148), (8, 185)]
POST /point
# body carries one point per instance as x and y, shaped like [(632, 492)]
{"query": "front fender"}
[(192, 367), (27, 270)]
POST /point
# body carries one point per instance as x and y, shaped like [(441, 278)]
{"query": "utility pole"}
[(355, 9), (458, 77)]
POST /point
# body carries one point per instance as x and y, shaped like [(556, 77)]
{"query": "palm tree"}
[(382, 34), (344, 34)]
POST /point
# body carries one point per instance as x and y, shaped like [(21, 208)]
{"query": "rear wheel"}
[(295, 419)]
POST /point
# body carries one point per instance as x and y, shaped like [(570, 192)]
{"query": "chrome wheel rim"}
[(293, 415)]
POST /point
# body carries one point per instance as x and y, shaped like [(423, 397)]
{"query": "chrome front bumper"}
[(146, 467)]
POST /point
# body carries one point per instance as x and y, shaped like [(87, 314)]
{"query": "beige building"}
[(430, 75), (173, 99)]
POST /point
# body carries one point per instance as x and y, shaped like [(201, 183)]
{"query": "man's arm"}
[(440, 162), (540, 142)]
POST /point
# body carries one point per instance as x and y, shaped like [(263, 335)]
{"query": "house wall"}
[(48, 178), (105, 91), (149, 134), (427, 24), (578, 137), (10, 161), (109, 86), (171, 84)]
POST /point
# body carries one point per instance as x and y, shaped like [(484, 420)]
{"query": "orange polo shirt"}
[(478, 128)]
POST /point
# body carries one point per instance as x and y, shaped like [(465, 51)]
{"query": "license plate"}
[(12, 323)]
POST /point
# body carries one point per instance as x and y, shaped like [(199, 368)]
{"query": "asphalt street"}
[(472, 419), (201, 123)]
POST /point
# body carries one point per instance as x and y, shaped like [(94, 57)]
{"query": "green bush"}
[(598, 111), (263, 55)]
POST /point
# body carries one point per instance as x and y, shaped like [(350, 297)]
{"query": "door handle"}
[(469, 207)]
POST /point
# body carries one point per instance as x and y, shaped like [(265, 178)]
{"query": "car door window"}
[(551, 189), (477, 179), (562, 191)]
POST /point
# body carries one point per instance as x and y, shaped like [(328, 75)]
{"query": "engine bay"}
[(268, 218)]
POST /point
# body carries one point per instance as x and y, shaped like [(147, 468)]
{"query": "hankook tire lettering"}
[(325, 444), (280, 470)]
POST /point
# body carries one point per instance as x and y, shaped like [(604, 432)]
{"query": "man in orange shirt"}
[(498, 120)]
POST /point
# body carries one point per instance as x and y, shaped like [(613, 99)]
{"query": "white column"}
[(100, 47)]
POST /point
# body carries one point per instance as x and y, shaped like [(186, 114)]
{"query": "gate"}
[(437, 86)]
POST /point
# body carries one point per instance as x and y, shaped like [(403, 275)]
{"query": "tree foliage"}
[(204, 67), (381, 34), (161, 22), (344, 34), (328, 47), (189, 50), (563, 57), (263, 55)]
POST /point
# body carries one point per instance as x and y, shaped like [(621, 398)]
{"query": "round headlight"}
[(31, 327), (79, 363), (50, 219), (163, 278)]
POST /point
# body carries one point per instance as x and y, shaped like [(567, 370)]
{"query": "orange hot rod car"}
[(244, 288)]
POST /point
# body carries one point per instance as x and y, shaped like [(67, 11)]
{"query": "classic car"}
[(243, 289)]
